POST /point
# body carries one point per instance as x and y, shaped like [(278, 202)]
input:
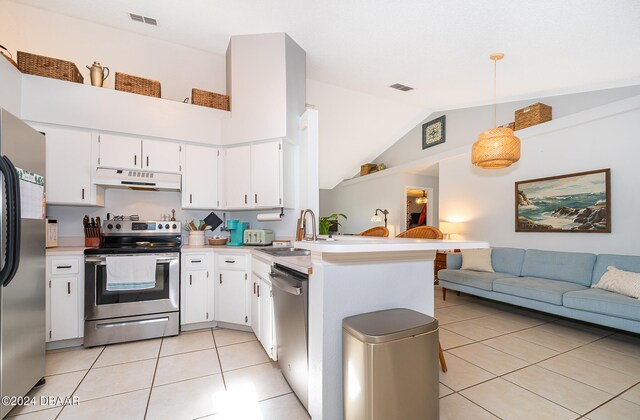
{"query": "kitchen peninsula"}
[(353, 276)]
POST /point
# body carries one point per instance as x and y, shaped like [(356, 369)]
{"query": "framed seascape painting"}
[(579, 202)]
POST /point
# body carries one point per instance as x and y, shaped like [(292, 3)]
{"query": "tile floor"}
[(504, 362), (213, 373)]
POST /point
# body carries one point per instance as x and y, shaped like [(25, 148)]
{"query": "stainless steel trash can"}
[(390, 366)]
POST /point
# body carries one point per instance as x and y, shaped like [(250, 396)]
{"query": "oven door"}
[(99, 303)]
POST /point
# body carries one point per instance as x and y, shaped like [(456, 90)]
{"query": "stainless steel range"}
[(132, 282)]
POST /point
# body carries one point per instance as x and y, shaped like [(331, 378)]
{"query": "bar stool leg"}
[(443, 363)]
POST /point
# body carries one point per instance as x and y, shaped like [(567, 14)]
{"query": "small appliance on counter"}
[(258, 237), (237, 228), (52, 232)]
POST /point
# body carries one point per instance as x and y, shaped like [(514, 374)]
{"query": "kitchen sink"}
[(286, 252)]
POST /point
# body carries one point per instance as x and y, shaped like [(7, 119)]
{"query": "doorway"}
[(419, 210)]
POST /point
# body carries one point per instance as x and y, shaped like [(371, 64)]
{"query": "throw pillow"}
[(477, 259), (619, 281)]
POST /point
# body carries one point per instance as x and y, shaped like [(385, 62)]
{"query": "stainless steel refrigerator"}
[(22, 258)]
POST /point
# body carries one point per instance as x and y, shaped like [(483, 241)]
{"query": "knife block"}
[(92, 241)]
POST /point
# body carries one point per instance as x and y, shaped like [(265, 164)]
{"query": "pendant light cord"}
[(495, 64)]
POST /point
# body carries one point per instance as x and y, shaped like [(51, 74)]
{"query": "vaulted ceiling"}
[(440, 48)]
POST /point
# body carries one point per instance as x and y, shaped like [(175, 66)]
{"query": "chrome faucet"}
[(314, 235)]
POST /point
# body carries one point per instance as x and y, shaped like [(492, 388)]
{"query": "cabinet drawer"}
[(195, 261), (61, 266), (232, 261)]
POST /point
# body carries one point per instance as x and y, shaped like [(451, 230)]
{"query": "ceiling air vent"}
[(400, 86), (143, 19)]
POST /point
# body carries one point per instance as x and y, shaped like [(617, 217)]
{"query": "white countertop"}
[(206, 247), (66, 250), (360, 244), (299, 263)]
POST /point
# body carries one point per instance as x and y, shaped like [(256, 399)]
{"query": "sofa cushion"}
[(477, 260), (478, 279), (574, 267), (603, 302), (622, 262), (507, 260), (620, 281), (544, 290)]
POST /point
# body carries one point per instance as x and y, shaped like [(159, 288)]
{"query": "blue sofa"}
[(555, 282)]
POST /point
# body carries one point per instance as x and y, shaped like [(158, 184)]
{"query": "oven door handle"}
[(102, 261)]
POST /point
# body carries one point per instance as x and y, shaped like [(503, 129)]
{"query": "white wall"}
[(177, 68), (10, 87), (359, 200), (355, 128), (603, 137)]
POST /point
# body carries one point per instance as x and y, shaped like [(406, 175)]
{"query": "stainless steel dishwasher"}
[(290, 301)]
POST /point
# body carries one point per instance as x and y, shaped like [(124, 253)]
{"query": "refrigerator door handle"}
[(9, 184)]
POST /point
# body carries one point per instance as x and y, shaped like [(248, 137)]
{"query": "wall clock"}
[(433, 132)]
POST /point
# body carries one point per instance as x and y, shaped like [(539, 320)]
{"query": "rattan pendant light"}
[(498, 147)]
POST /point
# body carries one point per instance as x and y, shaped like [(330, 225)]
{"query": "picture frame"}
[(434, 132), (577, 202)]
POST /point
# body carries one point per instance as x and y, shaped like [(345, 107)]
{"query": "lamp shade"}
[(496, 148), (450, 228), (376, 218)]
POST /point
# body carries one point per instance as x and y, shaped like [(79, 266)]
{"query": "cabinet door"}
[(161, 156), (266, 318), (237, 179), (265, 175), (230, 297), (120, 152), (200, 178), (68, 173), (255, 311), (196, 303), (64, 308)]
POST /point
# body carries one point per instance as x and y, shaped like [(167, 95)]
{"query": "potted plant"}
[(330, 223)]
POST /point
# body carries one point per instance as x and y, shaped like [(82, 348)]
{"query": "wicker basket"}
[(134, 84), (367, 168), (511, 125), (218, 241), (40, 65), (210, 99), (537, 113)]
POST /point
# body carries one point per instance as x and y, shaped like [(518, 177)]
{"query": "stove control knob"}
[(174, 226), (109, 226), (159, 226), (118, 226), (166, 226)]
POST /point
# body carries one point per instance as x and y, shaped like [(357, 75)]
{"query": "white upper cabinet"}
[(161, 156), (200, 178), (266, 84), (119, 152), (266, 179), (237, 177), (123, 152), (68, 181)]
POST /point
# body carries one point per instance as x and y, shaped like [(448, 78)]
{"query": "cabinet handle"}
[(195, 261), (147, 161), (83, 193), (190, 279), (230, 261), (207, 315), (68, 287), (220, 278), (135, 160), (190, 198), (258, 290), (254, 287), (256, 198), (63, 266), (245, 199)]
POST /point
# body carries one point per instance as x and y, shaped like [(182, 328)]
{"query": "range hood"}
[(136, 180)]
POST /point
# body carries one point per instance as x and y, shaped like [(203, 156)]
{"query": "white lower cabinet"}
[(231, 297), (266, 334), (262, 307), (65, 298), (196, 289)]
